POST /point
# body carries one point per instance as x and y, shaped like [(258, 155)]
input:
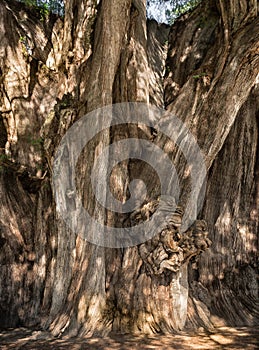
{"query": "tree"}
[(169, 10), (54, 71)]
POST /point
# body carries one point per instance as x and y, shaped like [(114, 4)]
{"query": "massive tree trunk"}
[(204, 70)]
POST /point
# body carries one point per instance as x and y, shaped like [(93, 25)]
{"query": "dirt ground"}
[(220, 338)]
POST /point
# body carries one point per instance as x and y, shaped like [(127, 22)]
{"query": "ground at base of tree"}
[(220, 338)]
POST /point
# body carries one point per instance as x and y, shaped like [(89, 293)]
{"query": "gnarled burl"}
[(171, 248), (161, 271)]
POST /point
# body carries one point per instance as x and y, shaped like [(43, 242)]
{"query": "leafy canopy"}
[(161, 10), (46, 6), (168, 10)]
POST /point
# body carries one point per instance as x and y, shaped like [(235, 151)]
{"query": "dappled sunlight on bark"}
[(204, 70)]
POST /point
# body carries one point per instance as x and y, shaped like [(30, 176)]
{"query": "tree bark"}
[(203, 69)]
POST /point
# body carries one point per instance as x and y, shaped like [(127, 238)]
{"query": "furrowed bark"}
[(55, 71)]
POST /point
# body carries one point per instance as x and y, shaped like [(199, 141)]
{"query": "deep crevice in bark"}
[(52, 277)]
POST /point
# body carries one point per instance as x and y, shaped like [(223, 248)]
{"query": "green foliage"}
[(24, 42), (44, 12), (167, 69), (30, 3), (169, 10), (45, 7), (198, 76), (37, 143), (162, 10), (181, 7)]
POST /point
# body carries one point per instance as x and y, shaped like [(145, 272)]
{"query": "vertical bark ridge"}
[(101, 53)]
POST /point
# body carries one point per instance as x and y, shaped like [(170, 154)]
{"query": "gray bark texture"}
[(53, 71)]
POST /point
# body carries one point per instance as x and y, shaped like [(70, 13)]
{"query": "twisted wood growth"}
[(170, 248), (203, 69)]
